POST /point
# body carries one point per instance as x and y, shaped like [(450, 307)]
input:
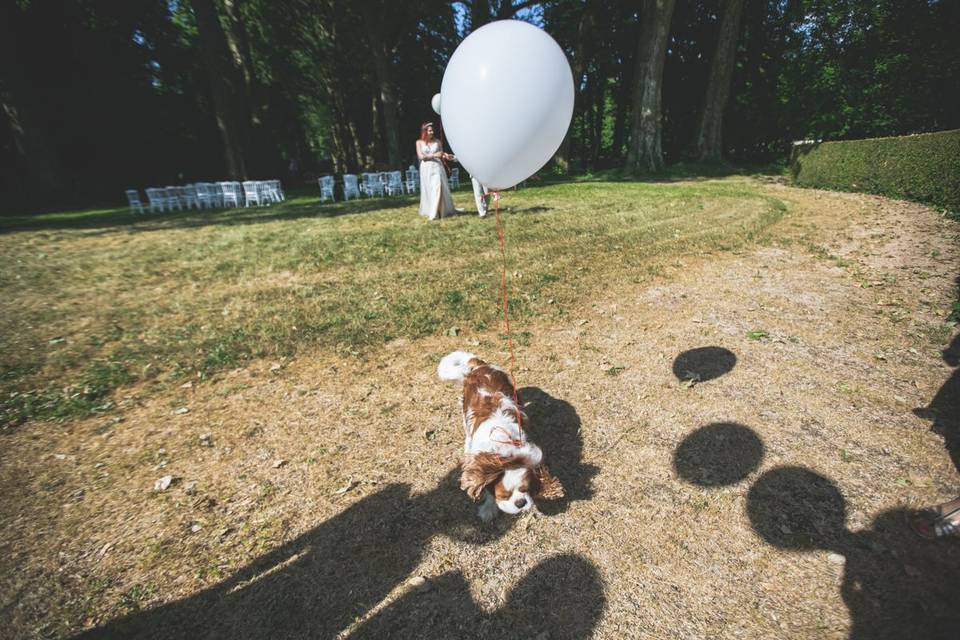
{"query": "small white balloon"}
[(507, 97), (435, 103)]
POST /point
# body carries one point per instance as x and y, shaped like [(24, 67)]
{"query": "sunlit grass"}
[(96, 300)]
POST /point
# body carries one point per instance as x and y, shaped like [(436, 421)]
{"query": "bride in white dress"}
[(435, 199)]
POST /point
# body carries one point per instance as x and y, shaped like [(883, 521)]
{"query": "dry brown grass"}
[(785, 523)]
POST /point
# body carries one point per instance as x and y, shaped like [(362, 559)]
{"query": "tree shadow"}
[(111, 220), (555, 428), (703, 363), (320, 582), (894, 584), (944, 408), (719, 454)]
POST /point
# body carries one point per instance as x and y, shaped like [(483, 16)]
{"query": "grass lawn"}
[(744, 388), (99, 299)]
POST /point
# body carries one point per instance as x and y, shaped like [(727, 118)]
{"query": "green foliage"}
[(925, 167), (86, 86)]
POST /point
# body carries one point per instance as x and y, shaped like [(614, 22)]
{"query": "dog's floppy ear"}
[(550, 487), (479, 470)]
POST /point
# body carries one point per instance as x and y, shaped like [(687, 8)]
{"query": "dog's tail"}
[(454, 366)]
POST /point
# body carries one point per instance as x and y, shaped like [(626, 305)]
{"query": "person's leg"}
[(479, 197), (940, 521)]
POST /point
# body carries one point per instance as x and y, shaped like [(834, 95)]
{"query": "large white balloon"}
[(435, 103), (507, 97)]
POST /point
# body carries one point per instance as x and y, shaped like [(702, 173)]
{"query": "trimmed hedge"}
[(924, 167)]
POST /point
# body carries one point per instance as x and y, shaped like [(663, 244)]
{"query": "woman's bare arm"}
[(423, 155)]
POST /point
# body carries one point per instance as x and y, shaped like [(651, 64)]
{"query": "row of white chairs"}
[(385, 183), (207, 195)]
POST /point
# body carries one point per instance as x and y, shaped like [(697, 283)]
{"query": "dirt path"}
[(759, 494)]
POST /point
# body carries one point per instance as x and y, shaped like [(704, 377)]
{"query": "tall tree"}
[(626, 30), (226, 86), (645, 153), (33, 162), (385, 24), (586, 26), (710, 129)]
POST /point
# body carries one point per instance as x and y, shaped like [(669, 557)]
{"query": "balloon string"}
[(506, 313)]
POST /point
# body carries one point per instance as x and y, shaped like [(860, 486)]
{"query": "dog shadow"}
[(894, 585), (322, 581), (555, 428)]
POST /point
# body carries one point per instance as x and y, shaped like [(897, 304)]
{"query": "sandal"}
[(933, 523)]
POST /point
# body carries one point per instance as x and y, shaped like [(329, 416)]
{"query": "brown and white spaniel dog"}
[(499, 464)]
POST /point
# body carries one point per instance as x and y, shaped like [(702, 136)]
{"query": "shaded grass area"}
[(93, 301)]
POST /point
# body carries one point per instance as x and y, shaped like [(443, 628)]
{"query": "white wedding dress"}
[(435, 198)]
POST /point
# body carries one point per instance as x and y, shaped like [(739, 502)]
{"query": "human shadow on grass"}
[(718, 455), (703, 364), (562, 597), (943, 411), (146, 222), (555, 427), (320, 582), (894, 584)]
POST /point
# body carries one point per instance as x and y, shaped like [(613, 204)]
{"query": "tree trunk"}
[(261, 150), (645, 153), (29, 146), (359, 159), (626, 53), (584, 32), (226, 86), (600, 110), (620, 118), (588, 106), (382, 69), (710, 130)]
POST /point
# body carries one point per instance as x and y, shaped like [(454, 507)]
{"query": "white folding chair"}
[(231, 193), (395, 183), (350, 187), (326, 188), (216, 194), (276, 191), (173, 198), (133, 200), (250, 193), (413, 180), (366, 185), (204, 195), (264, 194), (157, 198), (372, 185), (455, 178), (188, 194)]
